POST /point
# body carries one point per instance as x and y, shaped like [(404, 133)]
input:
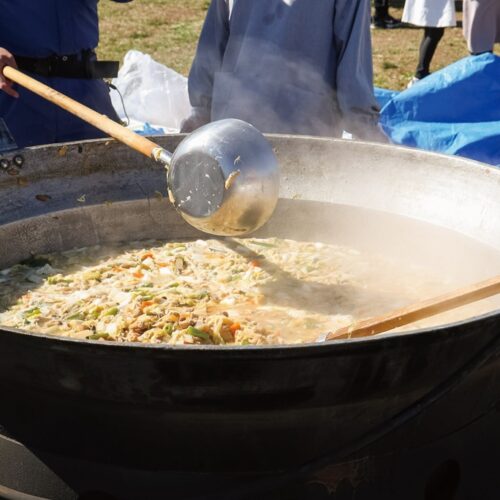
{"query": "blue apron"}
[(287, 66)]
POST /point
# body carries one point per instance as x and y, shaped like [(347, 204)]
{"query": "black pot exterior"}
[(236, 410)]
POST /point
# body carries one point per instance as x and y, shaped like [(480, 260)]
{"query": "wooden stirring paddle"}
[(418, 311)]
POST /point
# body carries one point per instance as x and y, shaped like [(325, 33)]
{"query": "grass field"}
[(168, 30)]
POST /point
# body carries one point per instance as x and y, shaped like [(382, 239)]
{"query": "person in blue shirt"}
[(53, 41), (286, 66)]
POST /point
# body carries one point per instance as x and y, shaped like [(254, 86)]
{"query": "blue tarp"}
[(383, 96), (453, 111)]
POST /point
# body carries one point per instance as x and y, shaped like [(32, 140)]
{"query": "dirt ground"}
[(168, 30)]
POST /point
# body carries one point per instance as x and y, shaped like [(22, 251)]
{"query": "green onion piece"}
[(112, 312), (96, 312), (97, 336), (168, 328), (32, 313), (198, 296), (92, 275), (191, 330), (57, 278), (79, 316)]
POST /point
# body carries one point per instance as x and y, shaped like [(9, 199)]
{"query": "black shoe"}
[(386, 22)]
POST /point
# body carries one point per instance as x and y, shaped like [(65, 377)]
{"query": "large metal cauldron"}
[(249, 409)]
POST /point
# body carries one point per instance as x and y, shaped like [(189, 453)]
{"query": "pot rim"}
[(258, 349)]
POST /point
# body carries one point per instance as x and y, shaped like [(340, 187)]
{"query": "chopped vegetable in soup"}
[(228, 291)]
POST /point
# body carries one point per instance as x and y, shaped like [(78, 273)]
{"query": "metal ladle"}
[(223, 178)]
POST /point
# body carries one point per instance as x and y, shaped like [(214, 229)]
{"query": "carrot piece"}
[(146, 303), (147, 255), (255, 263), (234, 328), (138, 274)]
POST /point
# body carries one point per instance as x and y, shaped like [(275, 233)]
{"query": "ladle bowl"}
[(224, 178)]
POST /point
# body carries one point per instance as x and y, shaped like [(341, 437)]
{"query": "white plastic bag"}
[(153, 94)]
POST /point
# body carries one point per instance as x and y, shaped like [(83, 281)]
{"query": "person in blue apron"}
[(52, 41), (286, 66)]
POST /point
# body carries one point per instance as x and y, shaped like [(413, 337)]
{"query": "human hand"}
[(7, 59)]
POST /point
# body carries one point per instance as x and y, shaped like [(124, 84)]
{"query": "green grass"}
[(168, 30), (395, 53)]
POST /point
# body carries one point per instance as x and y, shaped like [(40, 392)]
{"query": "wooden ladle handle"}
[(102, 122), (420, 310)]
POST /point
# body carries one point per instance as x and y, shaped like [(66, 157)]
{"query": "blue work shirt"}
[(40, 28), (287, 66)]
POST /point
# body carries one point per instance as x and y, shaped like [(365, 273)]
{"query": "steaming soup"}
[(224, 291)]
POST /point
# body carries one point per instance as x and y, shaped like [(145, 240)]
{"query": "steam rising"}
[(439, 260)]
